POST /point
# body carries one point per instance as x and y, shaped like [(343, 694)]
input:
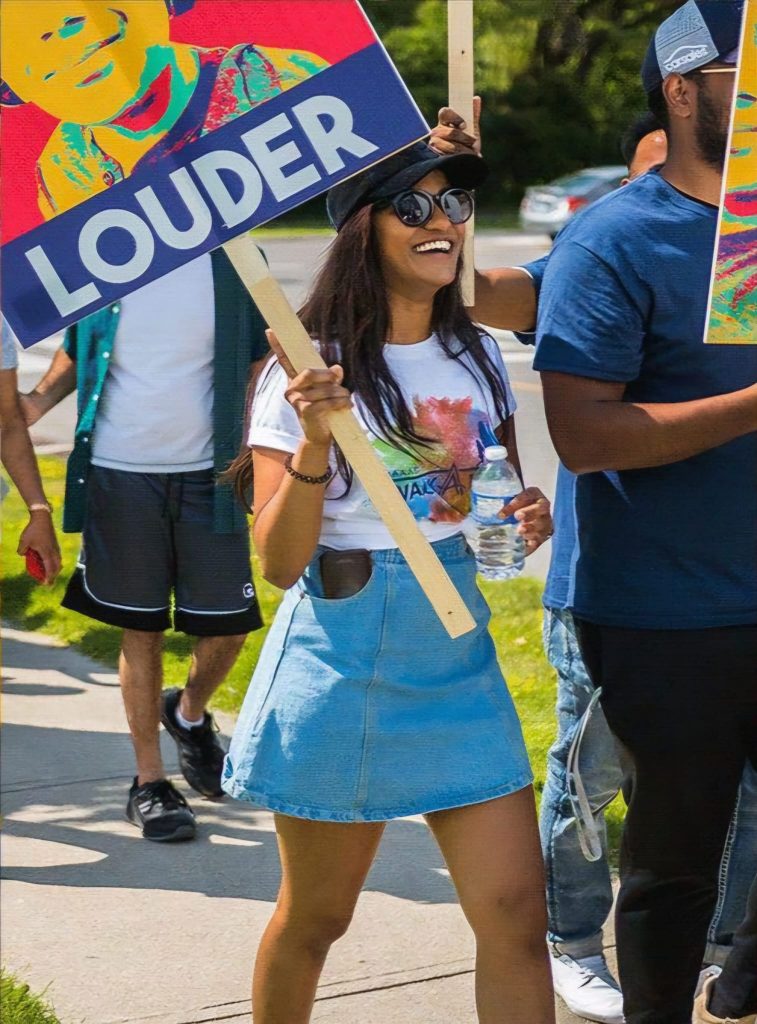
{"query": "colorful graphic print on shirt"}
[(435, 480)]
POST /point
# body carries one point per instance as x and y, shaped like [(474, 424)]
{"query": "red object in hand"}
[(35, 566)]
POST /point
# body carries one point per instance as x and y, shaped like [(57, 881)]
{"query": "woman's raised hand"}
[(532, 510), (313, 394)]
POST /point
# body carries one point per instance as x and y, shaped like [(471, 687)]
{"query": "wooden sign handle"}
[(461, 88), (268, 296)]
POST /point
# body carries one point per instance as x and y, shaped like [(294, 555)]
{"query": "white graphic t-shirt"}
[(452, 406)]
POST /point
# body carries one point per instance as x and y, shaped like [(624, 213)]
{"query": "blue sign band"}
[(250, 171)]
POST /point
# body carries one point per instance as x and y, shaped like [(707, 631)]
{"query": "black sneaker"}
[(159, 809), (200, 752)]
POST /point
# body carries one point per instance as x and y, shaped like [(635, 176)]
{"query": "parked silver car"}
[(548, 208)]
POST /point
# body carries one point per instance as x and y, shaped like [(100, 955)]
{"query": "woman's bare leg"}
[(323, 866), (494, 858)]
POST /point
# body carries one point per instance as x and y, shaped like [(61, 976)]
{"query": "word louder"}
[(248, 172)]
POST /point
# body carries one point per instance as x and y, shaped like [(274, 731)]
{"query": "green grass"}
[(516, 627), (19, 1006), (31, 606)]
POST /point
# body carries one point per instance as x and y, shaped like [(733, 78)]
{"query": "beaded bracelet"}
[(324, 478)]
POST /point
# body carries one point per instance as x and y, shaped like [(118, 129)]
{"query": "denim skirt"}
[(363, 708)]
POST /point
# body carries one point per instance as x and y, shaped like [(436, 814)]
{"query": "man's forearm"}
[(595, 435), (505, 299), (19, 459), (57, 383)]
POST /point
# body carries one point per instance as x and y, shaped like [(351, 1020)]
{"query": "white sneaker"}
[(587, 988)]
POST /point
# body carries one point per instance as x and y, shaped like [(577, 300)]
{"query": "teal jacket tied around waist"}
[(239, 341)]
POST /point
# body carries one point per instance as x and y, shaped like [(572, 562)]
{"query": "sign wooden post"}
[(460, 49), (397, 517)]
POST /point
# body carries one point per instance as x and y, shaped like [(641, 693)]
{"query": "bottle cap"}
[(495, 452)]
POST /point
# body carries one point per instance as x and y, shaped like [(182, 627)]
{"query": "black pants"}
[(683, 704), (735, 991)]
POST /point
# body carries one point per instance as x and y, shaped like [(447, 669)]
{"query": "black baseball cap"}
[(398, 173), (700, 32)]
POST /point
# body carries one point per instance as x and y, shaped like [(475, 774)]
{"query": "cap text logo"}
[(685, 55)]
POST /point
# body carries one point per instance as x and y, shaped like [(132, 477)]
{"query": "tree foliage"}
[(559, 78)]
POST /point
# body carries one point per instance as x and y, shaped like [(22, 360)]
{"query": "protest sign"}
[(162, 129), (138, 136), (461, 82), (733, 291)]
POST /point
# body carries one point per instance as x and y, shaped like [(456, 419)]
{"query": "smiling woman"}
[(361, 708), (123, 93)]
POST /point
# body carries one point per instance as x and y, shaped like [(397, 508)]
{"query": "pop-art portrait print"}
[(123, 91)]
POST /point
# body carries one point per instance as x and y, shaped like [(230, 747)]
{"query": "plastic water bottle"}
[(499, 549)]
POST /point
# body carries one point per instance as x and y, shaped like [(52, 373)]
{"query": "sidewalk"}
[(121, 930)]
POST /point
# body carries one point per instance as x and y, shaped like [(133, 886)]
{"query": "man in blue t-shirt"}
[(662, 431), (579, 890)]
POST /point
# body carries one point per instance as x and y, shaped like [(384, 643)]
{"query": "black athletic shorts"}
[(148, 538)]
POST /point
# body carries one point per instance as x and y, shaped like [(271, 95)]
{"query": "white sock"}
[(185, 722)]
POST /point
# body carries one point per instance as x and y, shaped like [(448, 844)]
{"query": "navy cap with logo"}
[(398, 173), (700, 32)]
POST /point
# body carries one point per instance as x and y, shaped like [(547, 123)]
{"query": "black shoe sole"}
[(215, 796), (180, 835)]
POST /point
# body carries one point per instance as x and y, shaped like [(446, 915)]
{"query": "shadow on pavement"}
[(65, 788), (22, 657), (234, 855)]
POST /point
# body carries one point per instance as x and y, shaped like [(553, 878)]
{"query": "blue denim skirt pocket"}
[(310, 586), (363, 709)]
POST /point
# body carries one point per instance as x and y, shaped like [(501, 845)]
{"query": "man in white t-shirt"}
[(161, 378)]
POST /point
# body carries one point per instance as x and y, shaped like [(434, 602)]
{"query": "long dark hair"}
[(348, 312)]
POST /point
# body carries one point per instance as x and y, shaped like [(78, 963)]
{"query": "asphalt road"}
[(293, 261)]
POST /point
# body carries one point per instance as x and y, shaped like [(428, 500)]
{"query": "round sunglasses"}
[(416, 207)]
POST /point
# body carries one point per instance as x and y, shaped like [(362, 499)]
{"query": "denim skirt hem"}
[(272, 803), (364, 709)]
